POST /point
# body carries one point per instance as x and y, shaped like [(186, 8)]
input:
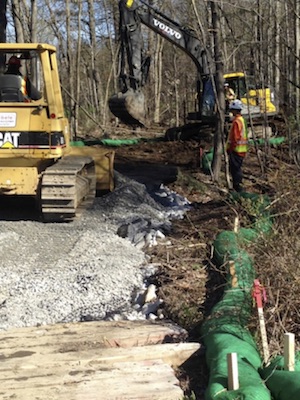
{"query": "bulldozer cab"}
[(37, 65), (32, 115), (18, 65)]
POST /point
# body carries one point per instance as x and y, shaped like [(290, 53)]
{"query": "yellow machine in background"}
[(36, 158), (257, 101)]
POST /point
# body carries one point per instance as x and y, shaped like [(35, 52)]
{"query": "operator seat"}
[(11, 88)]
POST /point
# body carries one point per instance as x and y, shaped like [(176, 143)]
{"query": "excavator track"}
[(68, 187)]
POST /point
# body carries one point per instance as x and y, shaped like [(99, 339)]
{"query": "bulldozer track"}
[(68, 187)]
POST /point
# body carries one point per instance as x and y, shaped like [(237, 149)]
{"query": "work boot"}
[(238, 188)]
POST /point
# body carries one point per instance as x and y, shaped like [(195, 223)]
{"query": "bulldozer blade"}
[(129, 107), (104, 165)]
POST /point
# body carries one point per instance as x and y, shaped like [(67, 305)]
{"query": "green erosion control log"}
[(225, 331), (284, 385), (106, 142)]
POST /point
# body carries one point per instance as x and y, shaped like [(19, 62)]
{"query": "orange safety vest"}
[(242, 143), (24, 89)]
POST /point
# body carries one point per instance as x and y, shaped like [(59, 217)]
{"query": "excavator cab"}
[(257, 101)]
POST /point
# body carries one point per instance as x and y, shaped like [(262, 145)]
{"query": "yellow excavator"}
[(128, 104), (36, 155), (257, 101)]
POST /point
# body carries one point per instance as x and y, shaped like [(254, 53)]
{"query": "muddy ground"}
[(188, 282)]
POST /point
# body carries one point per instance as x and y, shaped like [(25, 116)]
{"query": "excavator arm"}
[(131, 50), (129, 104)]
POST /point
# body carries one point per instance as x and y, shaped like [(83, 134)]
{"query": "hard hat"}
[(226, 84), (236, 105), (14, 61)]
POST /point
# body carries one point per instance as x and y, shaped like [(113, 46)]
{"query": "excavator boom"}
[(129, 103)]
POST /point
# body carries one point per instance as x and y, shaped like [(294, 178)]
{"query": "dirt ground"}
[(188, 282)]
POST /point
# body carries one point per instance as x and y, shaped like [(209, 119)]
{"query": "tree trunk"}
[(77, 70), (176, 94), (276, 48), (103, 90), (33, 22), (16, 14), (70, 69), (158, 77), (3, 22), (219, 132), (297, 66), (92, 70)]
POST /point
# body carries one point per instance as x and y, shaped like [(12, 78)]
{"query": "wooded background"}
[(259, 37)]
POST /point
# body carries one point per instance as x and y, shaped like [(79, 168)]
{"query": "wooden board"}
[(100, 333), (87, 361)]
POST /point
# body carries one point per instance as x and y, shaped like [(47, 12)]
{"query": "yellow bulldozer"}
[(36, 155)]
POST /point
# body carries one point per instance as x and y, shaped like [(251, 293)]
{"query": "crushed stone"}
[(89, 269)]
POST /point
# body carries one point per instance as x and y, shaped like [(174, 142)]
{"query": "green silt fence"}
[(207, 161), (115, 142), (106, 142), (225, 330)]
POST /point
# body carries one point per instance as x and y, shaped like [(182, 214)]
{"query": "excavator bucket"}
[(129, 107)]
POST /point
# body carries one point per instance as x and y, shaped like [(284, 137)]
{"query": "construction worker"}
[(28, 90), (229, 95), (237, 144)]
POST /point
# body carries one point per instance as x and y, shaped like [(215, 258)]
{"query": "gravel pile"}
[(88, 269)]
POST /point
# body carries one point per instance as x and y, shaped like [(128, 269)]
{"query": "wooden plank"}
[(233, 372), (33, 378), (83, 362), (65, 337), (289, 351), (45, 359), (140, 381)]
